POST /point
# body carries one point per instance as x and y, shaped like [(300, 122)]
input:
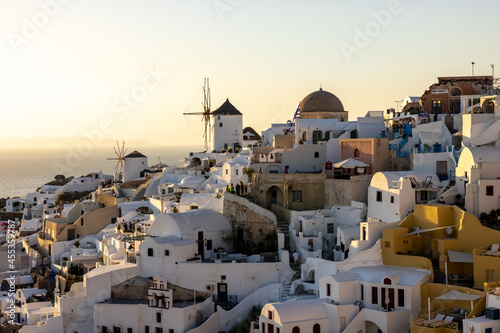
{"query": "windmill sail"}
[(120, 164), (206, 114)]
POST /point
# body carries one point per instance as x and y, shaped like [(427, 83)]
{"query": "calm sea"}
[(24, 170)]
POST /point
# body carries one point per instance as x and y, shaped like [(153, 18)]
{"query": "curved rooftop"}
[(321, 101), (187, 223)]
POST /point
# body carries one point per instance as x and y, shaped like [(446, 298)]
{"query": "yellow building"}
[(457, 242)]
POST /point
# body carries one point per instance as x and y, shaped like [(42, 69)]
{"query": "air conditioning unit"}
[(492, 313)]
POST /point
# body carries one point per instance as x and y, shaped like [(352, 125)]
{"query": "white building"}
[(157, 314), (135, 163), (477, 179), (364, 299), (392, 195), (490, 322), (227, 128)]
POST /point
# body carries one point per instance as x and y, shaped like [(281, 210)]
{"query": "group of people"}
[(239, 189)]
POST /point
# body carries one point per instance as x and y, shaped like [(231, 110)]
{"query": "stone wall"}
[(342, 191), (252, 215)]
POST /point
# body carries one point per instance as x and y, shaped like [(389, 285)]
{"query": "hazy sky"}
[(129, 69)]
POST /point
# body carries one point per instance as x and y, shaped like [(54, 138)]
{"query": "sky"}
[(124, 69)]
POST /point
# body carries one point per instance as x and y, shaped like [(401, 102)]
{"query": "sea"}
[(23, 170)]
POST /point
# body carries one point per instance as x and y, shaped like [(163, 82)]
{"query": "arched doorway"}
[(274, 195)]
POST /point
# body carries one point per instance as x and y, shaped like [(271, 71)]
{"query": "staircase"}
[(139, 194), (287, 286), (438, 275), (283, 228)]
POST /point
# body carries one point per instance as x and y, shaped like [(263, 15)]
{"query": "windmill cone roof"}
[(135, 154), (226, 109)]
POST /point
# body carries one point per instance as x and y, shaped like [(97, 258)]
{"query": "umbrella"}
[(350, 163)]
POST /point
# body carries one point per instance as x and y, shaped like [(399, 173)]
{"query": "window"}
[(362, 292), (356, 153), (316, 328), (158, 317), (374, 295), (437, 106), (263, 328), (387, 281), (129, 330), (82, 222), (401, 297), (423, 195), (297, 196), (489, 190), (304, 136), (296, 329), (455, 92), (209, 245), (236, 172), (277, 330), (270, 315), (489, 275), (392, 199), (220, 124), (150, 252), (387, 244), (170, 331), (146, 329), (316, 136), (227, 171), (441, 167), (327, 136), (104, 329), (158, 330), (167, 253), (222, 277), (316, 154), (379, 196), (193, 207), (328, 289), (329, 228)]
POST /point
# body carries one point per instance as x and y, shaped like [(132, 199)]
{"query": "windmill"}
[(120, 157), (206, 113)]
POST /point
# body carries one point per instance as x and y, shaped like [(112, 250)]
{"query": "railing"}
[(488, 253), (424, 322), (227, 303)]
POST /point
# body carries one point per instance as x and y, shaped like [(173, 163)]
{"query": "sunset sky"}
[(129, 69)]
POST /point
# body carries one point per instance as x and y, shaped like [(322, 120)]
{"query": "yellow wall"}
[(468, 234), (392, 243), (481, 264)]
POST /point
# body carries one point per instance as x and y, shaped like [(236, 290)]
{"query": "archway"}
[(274, 195)]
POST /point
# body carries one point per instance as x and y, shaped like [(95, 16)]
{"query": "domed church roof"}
[(321, 101)]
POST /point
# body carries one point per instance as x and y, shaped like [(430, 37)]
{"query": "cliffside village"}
[(385, 223)]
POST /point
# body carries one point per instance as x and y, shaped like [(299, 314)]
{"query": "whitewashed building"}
[(392, 195), (477, 179), (227, 128)]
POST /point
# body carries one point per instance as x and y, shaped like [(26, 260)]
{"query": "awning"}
[(456, 256), (351, 163), (458, 296), (420, 231)]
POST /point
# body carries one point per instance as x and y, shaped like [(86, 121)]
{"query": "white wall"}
[(230, 133), (134, 166)]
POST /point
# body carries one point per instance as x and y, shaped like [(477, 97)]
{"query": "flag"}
[(297, 113)]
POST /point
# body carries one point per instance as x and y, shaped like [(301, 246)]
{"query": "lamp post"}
[(472, 63)]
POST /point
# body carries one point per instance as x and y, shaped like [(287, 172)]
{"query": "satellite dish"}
[(448, 231)]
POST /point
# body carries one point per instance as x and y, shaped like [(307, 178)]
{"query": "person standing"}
[(295, 256)]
